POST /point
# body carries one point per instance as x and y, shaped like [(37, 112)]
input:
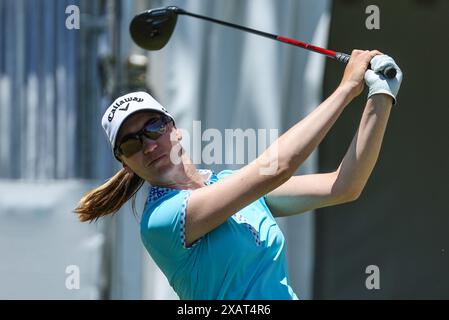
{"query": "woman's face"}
[(153, 161)]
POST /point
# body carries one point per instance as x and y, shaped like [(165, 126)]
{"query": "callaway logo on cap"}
[(125, 106)]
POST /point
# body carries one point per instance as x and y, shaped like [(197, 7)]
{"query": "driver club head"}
[(152, 29)]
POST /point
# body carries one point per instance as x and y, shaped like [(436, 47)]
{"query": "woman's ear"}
[(125, 166), (178, 134)]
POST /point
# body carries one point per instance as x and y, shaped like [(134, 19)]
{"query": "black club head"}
[(151, 30)]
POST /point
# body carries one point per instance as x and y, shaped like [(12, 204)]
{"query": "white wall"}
[(40, 237)]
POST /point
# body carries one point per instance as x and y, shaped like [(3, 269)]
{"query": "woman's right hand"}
[(353, 77)]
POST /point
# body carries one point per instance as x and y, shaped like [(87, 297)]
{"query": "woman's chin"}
[(162, 164)]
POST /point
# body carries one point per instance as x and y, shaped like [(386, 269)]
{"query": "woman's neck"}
[(184, 176)]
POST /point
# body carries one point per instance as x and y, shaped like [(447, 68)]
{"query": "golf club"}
[(152, 29)]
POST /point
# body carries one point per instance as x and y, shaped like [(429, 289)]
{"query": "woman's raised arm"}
[(210, 206)]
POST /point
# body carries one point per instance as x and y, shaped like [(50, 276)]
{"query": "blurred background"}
[(57, 79)]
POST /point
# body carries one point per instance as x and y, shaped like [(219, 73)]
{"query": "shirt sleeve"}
[(165, 231)]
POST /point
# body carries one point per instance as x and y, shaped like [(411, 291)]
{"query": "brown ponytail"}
[(109, 197)]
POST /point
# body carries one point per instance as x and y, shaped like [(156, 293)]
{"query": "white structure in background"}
[(41, 237)]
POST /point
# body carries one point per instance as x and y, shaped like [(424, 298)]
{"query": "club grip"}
[(388, 72)]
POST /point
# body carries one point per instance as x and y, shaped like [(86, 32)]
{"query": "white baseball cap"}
[(125, 106)]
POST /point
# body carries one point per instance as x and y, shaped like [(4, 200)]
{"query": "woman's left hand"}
[(377, 83)]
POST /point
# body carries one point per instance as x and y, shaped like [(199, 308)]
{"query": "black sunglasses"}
[(132, 143)]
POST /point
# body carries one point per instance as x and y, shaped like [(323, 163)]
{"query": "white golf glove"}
[(376, 81)]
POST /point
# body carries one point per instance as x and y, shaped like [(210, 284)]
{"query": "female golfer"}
[(215, 236)]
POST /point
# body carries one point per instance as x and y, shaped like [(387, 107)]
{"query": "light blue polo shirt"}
[(243, 258)]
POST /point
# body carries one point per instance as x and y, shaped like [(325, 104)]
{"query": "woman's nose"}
[(148, 145)]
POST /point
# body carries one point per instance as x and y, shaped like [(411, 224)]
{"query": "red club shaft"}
[(307, 46)]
